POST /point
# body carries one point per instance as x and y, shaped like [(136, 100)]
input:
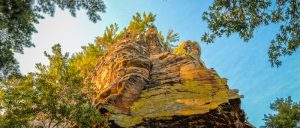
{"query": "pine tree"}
[(167, 42), (287, 114), (140, 23)]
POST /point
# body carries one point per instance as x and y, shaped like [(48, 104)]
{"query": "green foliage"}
[(167, 42), (8, 64), (18, 103), (287, 116), (17, 19), (54, 95), (140, 23), (186, 50), (110, 33), (86, 60), (110, 37), (226, 17), (180, 51)]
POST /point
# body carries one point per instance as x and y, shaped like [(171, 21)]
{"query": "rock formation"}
[(142, 85)]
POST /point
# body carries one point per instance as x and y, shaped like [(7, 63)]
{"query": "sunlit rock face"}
[(142, 85)]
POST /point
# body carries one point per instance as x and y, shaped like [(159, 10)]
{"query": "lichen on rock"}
[(142, 85)]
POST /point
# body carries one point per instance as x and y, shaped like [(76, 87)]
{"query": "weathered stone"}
[(121, 74), (227, 115), (141, 85)]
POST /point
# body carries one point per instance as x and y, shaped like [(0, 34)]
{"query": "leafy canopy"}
[(54, 96), (17, 19), (287, 114), (226, 17)]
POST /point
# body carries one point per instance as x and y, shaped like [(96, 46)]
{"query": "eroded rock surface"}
[(142, 85), (122, 73)]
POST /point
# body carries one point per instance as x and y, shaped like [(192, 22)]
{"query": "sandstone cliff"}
[(142, 85)]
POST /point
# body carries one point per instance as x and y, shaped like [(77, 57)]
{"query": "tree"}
[(140, 23), (110, 37), (287, 116), (167, 42), (226, 17), (86, 60), (55, 96), (17, 19)]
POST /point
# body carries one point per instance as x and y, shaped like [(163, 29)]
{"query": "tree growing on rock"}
[(86, 60), (110, 37), (167, 42), (140, 23)]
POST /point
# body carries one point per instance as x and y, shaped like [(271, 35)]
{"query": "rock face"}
[(142, 85)]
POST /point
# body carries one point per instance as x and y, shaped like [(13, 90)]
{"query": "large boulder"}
[(142, 85)]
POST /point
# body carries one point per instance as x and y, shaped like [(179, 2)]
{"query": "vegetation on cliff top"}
[(85, 60)]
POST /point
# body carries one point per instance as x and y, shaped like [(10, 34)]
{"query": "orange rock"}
[(141, 84)]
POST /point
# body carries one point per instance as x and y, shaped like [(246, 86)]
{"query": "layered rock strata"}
[(142, 85)]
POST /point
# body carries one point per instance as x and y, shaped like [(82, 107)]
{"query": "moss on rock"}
[(189, 98)]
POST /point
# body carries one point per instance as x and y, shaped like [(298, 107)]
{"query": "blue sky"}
[(244, 64)]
